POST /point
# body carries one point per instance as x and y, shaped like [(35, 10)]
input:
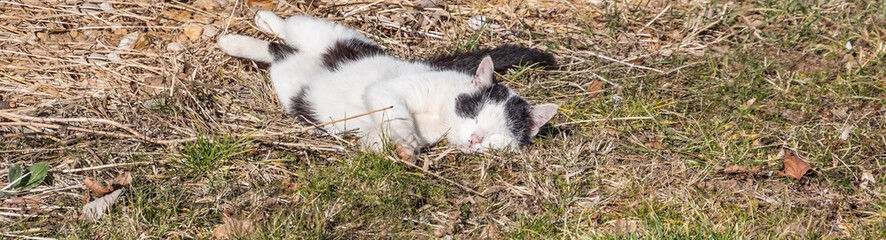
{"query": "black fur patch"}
[(519, 120), (469, 105), (349, 50), (503, 58), (302, 109), (280, 51)]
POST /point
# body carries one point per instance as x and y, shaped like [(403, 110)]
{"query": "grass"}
[(754, 79)]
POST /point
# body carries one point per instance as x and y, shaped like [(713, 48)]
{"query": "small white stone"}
[(222, 3), (89, 8), (106, 7), (127, 41), (175, 47), (477, 22), (849, 45), (114, 57), (210, 31)]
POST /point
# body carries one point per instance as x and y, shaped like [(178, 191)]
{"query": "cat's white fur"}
[(422, 97)]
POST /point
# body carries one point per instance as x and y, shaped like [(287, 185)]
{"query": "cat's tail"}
[(504, 57), (255, 49)]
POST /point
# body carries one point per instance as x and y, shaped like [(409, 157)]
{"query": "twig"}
[(230, 18), (112, 166), (133, 133), (36, 130), (653, 19), (14, 182), (622, 62), (344, 119), (463, 187), (17, 215), (332, 148), (361, 8), (603, 119), (25, 237)]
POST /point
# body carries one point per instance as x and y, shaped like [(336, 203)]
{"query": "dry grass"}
[(656, 96)]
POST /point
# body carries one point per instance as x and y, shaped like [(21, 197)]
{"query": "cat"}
[(326, 71)]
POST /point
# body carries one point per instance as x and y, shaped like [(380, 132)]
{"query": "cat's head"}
[(491, 116)]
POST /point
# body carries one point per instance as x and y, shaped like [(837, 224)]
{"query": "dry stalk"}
[(115, 165), (133, 133), (603, 119), (463, 187)]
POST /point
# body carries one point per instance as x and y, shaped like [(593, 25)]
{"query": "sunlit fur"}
[(335, 73)]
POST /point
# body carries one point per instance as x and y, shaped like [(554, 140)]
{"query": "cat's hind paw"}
[(270, 23)]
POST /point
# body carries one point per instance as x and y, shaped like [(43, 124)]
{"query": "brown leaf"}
[(638, 61), (653, 145), (794, 167), (220, 232), (181, 16), (97, 188), (491, 232), (750, 102), (124, 179), (152, 85), (233, 228), (263, 4), (22, 201), (142, 41), (739, 169), (594, 88), (734, 169)]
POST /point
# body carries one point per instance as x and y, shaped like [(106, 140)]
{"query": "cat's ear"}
[(540, 115), (484, 78)]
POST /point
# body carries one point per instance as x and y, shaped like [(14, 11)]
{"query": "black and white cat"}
[(327, 72)]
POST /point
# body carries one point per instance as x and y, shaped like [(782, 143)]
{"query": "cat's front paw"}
[(404, 152)]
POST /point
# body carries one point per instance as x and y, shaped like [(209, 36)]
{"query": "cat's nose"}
[(476, 139)]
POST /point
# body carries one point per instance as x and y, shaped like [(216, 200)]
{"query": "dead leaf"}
[(428, 3), (152, 85), (233, 228), (491, 232), (867, 178), (594, 88), (23, 201), (6, 105), (653, 145), (93, 211), (794, 167), (638, 61), (207, 4), (124, 179), (193, 31), (750, 102), (739, 169), (624, 225), (98, 188), (263, 4), (142, 41), (719, 228), (181, 16)]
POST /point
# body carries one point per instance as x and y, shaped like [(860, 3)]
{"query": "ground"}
[(676, 121)]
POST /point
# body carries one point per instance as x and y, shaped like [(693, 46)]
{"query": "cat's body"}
[(326, 72)]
